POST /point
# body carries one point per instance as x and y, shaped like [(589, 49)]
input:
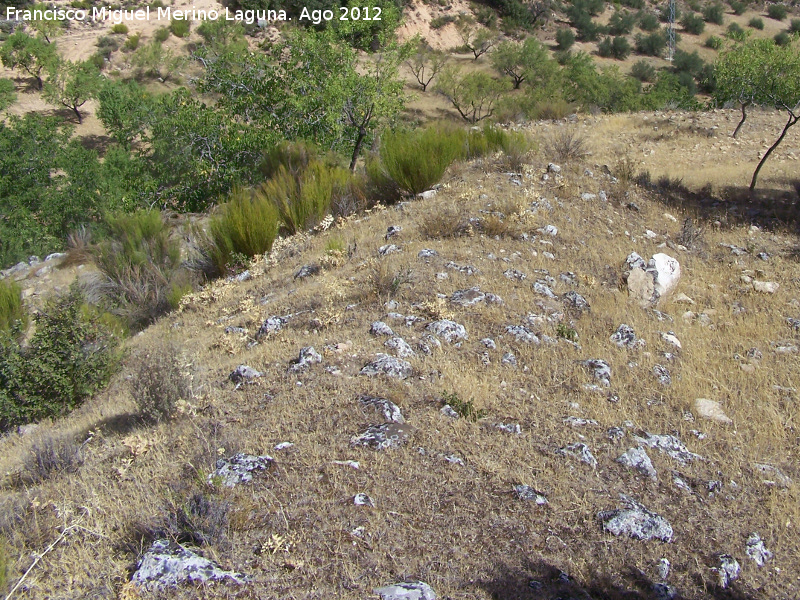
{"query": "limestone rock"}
[(243, 374), (711, 409), (468, 297), (757, 550), (636, 522), (307, 271), (526, 492), (271, 325), (408, 590), (624, 337), (523, 334), (449, 331), (728, 570), (382, 437), (308, 356), (600, 369), (669, 445), (383, 364), (773, 475), (637, 459), (167, 564), (575, 301), (390, 411), (766, 287), (239, 468), (581, 452), (400, 346), (381, 328)]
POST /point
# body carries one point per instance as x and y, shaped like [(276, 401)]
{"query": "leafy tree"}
[(477, 40), (48, 29), (474, 95), (619, 48), (653, 44), (124, 109), (72, 85), (777, 12), (222, 36), (643, 71), (714, 13), (368, 34), (622, 22), (760, 73), (565, 39), (648, 21), (8, 94), (519, 60), (33, 55), (425, 63), (153, 60), (693, 23)]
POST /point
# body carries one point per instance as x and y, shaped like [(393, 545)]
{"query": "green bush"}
[(161, 35), (618, 48), (648, 21), (714, 42), (714, 13), (738, 8), (120, 28), (663, 14), (247, 224), (106, 45), (653, 44), (736, 33), (621, 23), (179, 27), (794, 26), (417, 160), (782, 39), (756, 23), (777, 12), (442, 21), (132, 43), (141, 265), (12, 314), (565, 39), (70, 356), (693, 23), (643, 71), (635, 4), (689, 62)]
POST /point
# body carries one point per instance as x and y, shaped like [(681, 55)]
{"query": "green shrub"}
[(465, 408), (417, 160), (689, 62), (141, 265), (295, 156), (663, 14), (179, 27), (158, 383), (648, 21), (12, 314), (565, 39), (70, 356), (106, 45), (693, 23), (132, 43), (643, 71), (120, 28), (686, 80), (782, 39), (736, 33), (714, 42), (756, 23), (794, 26), (247, 224), (653, 44), (442, 21), (85, 5), (714, 13), (738, 8), (707, 79), (161, 35), (635, 4), (618, 48), (621, 23), (777, 12)]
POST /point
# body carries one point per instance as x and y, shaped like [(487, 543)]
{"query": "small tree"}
[(477, 41), (72, 85), (8, 94), (425, 63), (517, 60), (33, 55), (760, 73), (473, 95)]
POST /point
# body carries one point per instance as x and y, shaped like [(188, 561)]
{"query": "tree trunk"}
[(359, 140), (77, 114), (744, 118), (792, 120)]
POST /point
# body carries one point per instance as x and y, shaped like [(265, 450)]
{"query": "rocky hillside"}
[(563, 381)]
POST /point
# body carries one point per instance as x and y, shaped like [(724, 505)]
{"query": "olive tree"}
[(761, 73), (474, 95), (519, 60)]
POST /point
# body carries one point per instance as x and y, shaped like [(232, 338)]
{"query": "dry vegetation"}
[(296, 532)]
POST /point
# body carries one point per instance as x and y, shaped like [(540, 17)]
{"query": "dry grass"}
[(460, 528)]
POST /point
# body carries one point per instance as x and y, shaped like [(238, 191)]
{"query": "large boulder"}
[(649, 283)]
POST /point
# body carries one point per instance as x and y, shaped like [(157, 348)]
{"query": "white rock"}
[(670, 338), (408, 590), (766, 287), (667, 273), (711, 409)]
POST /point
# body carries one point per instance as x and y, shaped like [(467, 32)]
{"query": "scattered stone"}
[(167, 564), (670, 338), (381, 328), (239, 468), (448, 330), (283, 446), (663, 569), (244, 276), (541, 287), (793, 323), (553, 168), (662, 591), (465, 270), (669, 445), (361, 499), (636, 522), (580, 451), (575, 301), (238, 330), (427, 253), (549, 255), (637, 459), (271, 325), (308, 356), (353, 464), (711, 409), (382, 437), (383, 364), (766, 287), (514, 274), (757, 550), (468, 297), (243, 374), (662, 374), (306, 271), (489, 343), (400, 346), (549, 230), (569, 278), (392, 231), (615, 433), (428, 343), (728, 570), (580, 422), (588, 196), (523, 334), (408, 590), (600, 369), (54, 256), (624, 337), (449, 411), (659, 278), (509, 428), (526, 492), (509, 359), (390, 411), (388, 249), (775, 476), (683, 299)]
